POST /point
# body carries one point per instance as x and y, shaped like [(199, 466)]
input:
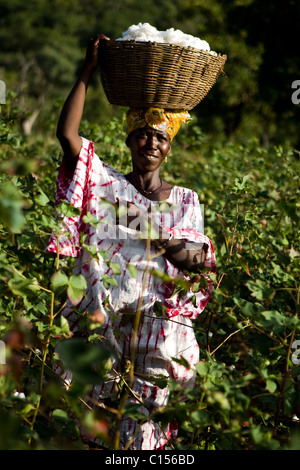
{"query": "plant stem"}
[(282, 385), (284, 378), (132, 350), (46, 348), (229, 336)]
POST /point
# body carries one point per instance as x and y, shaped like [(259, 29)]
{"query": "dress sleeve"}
[(72, 187), (190, 228)]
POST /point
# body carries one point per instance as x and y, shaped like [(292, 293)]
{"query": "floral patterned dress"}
[(137, 287)]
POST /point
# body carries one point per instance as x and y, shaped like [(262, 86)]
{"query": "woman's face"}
[(149, 147)]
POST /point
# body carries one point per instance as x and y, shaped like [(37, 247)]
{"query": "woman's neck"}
[(150, 185), (146, 182)]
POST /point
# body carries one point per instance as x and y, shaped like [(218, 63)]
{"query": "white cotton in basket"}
[(146, 32)]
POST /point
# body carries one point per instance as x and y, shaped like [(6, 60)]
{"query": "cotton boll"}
[(185, 42), (192, 43), (147, 26), (159, 38), (141, 32), (204, 46), (142, 37), (189, 38), (134, 29), (172, 36), (132, 32), (146, 32), (168, 33), (201, 45), (129, 32)]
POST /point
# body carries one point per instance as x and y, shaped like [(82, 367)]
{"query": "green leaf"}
[(41, 199), (242, 185), (67, 209), (159, 309), (19, 285), (134, 411), (182, 361), (109, 281), (166, 278), (260, 289), (11, 205), (76, 288), (59, 280), (88, 362), (104, 255), (64, 324), (90, 219), (92, 250), (64, 423), (115, 267), (201, 417), (271, 385), (202, 368), (132, 269), (160, 380)]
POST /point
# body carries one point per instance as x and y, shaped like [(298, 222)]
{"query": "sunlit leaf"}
[(76, 288)]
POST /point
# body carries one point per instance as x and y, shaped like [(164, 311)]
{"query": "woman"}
[(143, 342)]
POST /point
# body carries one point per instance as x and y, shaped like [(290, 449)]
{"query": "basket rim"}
[(163, 45)]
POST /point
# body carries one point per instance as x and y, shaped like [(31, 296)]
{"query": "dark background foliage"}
[(43, 43), (241, 155)]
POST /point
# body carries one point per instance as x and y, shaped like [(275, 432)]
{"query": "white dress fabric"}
[(159, 339)]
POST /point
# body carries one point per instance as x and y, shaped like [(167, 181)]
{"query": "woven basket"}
[(145, 74)]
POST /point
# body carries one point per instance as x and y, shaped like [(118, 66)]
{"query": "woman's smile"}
[(150, 156), (149, 146)]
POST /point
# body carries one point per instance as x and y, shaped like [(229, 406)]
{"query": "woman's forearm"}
[(71, 114), (185, 256)]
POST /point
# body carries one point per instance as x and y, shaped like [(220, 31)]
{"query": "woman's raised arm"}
[(71, 114)]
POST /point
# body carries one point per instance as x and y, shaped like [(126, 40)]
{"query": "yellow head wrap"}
[(157, 118)]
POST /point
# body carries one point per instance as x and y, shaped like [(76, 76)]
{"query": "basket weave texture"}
[(146, 74)]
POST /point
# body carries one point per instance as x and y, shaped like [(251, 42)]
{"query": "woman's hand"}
[(182, 254), (91, 58)]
